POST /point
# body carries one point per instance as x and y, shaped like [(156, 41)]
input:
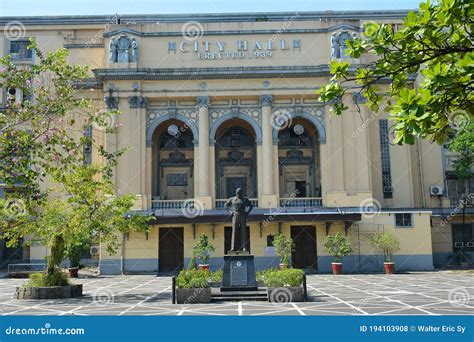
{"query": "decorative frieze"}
[(111, 102), (266, 100), (137, 101), (358, 98), (172, 112), (202, 101), (123, 50), (235, 111), (339, 44)]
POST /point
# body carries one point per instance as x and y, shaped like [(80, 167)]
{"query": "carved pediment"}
[(176, 157), (295, 157)]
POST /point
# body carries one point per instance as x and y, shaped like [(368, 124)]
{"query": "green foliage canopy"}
[(435, 43)]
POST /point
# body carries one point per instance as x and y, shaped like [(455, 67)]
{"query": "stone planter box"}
[(193, 296), (285, 294), (53, 292)]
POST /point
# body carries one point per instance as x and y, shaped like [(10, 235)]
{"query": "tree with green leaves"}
[(463, 145), (52, 193), (338, 246), (434, 43), (202, 250), (41, 126)]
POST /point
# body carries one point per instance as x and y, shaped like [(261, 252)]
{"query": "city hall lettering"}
[(241, 49)]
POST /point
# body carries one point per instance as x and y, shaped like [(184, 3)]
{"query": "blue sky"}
[(84, 7)]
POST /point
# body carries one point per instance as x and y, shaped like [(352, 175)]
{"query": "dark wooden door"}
[(171, 249), (236, 182), (305, 254), (238, 237), (300, 187)]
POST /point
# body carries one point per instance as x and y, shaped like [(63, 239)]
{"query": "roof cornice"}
[(210, 73), (127, 30), (207, 17)]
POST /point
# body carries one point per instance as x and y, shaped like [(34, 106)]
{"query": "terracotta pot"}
[(203, 267), (389, 267), (283, 266), (336, 267), (73, 272)]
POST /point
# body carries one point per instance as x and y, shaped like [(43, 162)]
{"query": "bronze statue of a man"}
[(240, 207)]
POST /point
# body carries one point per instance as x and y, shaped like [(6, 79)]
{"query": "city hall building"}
[(214, 102)]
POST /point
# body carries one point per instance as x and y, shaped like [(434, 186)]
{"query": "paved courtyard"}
[(434, 293)]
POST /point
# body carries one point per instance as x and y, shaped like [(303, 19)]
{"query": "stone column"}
[(268, 198), (204, 192), (137, 141)]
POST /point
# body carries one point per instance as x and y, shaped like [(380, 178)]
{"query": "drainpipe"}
[(420, 171)]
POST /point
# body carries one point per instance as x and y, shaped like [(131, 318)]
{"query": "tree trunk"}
[(57, 254)]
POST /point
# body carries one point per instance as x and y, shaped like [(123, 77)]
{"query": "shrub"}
[(192, 263), (42, 279), (259, 275), (190, 279), (217, 275), (337, 246), (283, 246), (279, 278), (386, 243), (202, 249)]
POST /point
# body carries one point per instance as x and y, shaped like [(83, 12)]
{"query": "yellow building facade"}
[(210, 103)]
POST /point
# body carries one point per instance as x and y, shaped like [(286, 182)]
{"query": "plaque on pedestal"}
[(239, 273)]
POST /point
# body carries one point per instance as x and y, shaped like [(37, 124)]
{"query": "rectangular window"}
[(270, 239), (177, 179), (403, 220), (19, 49), (385, 156)]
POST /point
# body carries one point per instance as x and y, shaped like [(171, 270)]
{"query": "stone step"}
[(239, 299), (260, 295)]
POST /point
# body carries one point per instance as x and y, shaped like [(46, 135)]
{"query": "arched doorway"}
[(299, 169), (235, 160), (172, 164)]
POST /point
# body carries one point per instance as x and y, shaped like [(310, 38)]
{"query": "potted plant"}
[(202, 250), (284, 246), (283, 286), (192, 286), (386, 243), (338, 246), (73, 253)]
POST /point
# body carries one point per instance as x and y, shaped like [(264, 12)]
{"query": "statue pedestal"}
[(239, 272)]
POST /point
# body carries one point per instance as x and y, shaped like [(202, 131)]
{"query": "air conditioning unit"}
[(436, 190)]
